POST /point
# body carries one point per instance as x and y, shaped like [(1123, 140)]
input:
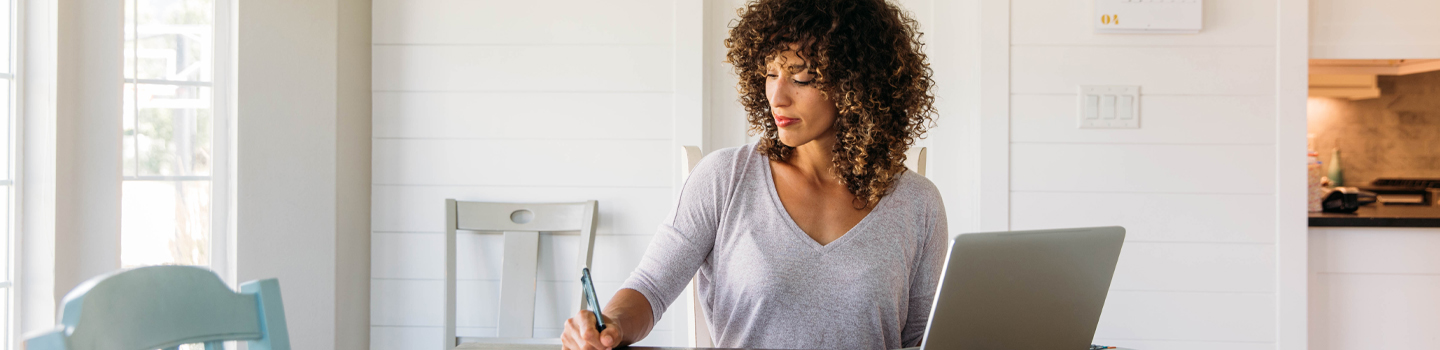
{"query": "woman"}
[(816, 236)]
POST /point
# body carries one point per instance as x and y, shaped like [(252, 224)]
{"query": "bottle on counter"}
[(1316, 190), (1337, 174)]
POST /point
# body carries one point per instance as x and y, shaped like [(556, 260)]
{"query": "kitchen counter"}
[(1378, 215)]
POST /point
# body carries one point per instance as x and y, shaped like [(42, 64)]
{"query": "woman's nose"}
[(780, 97)]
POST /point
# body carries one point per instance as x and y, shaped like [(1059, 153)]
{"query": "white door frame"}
[(1292, 48)]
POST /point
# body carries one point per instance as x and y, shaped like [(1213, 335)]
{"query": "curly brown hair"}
[(866, 56)]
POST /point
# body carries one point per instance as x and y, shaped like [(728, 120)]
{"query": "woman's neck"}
[(814, 159)]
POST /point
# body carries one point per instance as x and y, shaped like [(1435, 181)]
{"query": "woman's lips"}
[(782, 121)]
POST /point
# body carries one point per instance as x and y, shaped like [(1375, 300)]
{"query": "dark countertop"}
[(1379, 215)]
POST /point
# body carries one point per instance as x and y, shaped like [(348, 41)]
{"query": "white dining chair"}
[(698, 325), (521, 224), (915, 160)]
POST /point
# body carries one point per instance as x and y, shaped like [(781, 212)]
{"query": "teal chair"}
[(162, 307)]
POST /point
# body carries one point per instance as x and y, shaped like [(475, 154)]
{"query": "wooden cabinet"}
[(1374, 288)]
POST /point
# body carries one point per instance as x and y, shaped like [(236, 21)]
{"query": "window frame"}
[(10, 334)]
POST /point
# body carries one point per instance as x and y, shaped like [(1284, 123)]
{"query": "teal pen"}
[(592, 302)]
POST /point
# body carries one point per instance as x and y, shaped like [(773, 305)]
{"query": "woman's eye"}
[(770, 75), (803, 83)]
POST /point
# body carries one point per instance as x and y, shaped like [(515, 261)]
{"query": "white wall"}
[(1374, 29), (524, 101), (726, 126), (87, 164), (287, 152), (352, 177), (1195, 186), (1374, 287), (302, 112)]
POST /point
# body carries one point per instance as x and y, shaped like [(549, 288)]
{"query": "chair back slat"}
[(543, 217), (517, 284), (162, 307), (588, 223)]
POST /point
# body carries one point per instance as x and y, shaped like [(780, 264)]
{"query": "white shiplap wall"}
[(1194, 186), (525, 101)]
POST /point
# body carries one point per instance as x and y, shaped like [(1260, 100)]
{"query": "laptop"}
[(1040, 289)]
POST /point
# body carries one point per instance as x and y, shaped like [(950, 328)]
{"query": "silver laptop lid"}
[(1039, 289)]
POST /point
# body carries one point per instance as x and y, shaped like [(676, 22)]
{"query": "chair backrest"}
[(915, 160), (162, 307), (698, 327), (521, 223)]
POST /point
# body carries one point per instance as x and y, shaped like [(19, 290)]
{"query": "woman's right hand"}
[(580, 333)]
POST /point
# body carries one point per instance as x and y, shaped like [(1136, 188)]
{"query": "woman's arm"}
[(680, 247), (627, 320), (630, 308), (926, 277)]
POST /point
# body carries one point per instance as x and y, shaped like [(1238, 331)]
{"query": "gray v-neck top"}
[(764, 283)]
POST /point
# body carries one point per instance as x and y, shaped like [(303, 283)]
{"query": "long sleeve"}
[(926, 277), (685, 240)]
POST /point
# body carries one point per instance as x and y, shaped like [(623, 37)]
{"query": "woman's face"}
[(801, 112)]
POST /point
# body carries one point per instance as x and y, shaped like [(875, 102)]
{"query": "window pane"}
[(175, 39), (128, 127), (172, 53), (174, 129), (129, 39), (165, 222)]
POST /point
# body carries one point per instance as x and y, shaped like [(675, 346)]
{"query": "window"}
[(174, 145)]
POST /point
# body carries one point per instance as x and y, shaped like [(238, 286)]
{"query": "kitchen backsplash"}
[(1395, 135)]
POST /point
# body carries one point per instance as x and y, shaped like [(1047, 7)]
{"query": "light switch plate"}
[(1109, 107)]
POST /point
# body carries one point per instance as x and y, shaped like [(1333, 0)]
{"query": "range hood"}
[(1356, 79)]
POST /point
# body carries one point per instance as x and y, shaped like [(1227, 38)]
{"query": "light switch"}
[(1091, 110), (1125, 108), (1108, 107)]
